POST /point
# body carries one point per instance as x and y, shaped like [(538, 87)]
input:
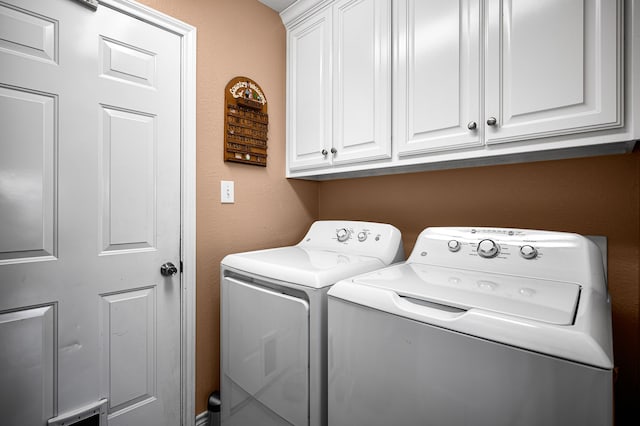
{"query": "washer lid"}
[(307, 267), (546, 301)]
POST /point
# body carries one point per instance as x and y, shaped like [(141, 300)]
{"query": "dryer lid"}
[(545, 301), (303, 266)]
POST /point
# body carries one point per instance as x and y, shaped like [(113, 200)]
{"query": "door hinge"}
[(181, 267), (91, 4)]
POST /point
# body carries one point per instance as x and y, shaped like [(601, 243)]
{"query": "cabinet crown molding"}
[(300, 10)]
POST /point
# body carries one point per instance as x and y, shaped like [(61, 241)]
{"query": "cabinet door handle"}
[(491, 121), (333, 150), (472, 125), (324, 152)]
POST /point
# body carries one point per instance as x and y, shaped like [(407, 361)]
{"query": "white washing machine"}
[(274, 324), (479, 327)]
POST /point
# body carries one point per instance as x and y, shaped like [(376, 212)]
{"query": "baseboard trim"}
[(202, 419)]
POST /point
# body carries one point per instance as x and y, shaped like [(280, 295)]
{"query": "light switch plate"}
[(227, 195)]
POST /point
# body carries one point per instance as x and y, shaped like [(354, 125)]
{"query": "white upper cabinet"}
[(339, 85), (387, 86), (437, 75), (309, 93), (362, 80), (552, 68)]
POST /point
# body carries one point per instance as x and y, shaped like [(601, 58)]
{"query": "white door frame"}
[(187, 34)]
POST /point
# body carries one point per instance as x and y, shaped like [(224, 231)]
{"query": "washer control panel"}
[(488, 249), (502, 250), (488, 244)]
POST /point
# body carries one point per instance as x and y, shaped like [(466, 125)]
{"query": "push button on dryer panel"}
[(362, 236), (342, 235), (453, 245)]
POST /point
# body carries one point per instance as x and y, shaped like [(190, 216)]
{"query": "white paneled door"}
[(90, 124)]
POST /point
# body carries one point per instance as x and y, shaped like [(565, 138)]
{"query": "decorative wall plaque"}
[(246, 122)]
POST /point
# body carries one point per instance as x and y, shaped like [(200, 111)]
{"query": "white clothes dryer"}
[(481, 326), (274, 324)]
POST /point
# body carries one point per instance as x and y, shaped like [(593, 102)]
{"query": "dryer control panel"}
[(379, 240)]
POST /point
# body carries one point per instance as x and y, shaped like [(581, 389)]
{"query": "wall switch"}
[(226, 192)]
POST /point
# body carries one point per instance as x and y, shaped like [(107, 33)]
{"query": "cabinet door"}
[(362, 80), (552, 67), (309, 93), (437, 79)]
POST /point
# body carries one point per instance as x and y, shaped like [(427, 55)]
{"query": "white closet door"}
[(90, 208)]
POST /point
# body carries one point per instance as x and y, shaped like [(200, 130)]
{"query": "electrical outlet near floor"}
[(227, 195)]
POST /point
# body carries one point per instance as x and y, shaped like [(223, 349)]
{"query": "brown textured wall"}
[(592, 196), (236, 38)]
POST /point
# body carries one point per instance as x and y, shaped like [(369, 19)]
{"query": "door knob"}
[(324, 152), (472, 125), (333, 150), (491, 121), (168, 269)]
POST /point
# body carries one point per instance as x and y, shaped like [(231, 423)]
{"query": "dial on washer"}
[(454, 245), (528, 252), (488, 249)]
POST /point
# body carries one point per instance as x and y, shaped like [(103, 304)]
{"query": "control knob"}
[(488, 249), (528, 252), (342, 234), (454, 245), (362, 236)]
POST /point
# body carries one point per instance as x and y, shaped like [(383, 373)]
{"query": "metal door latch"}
[(168, 269)]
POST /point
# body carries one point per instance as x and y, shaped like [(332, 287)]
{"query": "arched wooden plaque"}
[(246, 122)]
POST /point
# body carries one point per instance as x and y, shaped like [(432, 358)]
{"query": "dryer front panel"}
[(266, 346)]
